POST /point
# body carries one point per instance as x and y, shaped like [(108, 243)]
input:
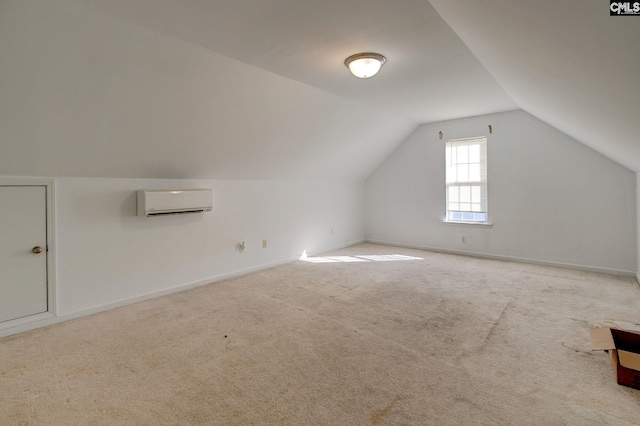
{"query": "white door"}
[(23, 255)]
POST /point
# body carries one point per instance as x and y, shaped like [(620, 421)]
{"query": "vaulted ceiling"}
[(254, 89), (566, 62), (430, 74)]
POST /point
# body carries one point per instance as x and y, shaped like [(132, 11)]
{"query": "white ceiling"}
[(88, 95), (566, 62), (430, 74), (256, 89)]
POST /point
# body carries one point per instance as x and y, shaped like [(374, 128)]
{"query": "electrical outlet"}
[(463, 239), (264, 243)]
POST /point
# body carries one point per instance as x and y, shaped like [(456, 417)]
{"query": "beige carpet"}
[(441, 340)]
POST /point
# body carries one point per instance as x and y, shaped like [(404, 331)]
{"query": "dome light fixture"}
[(365, 65)]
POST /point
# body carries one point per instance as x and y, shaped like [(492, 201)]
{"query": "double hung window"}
[(466, 180)]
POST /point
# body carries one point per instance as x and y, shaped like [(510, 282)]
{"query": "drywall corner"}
[(551, 198), (638, 227)]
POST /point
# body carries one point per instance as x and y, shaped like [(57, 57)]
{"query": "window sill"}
[(451, 222)]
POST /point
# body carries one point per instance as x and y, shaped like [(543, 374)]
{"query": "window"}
[(466, 180)]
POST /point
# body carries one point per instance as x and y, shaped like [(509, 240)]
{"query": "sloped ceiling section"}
[(566, 62), (430, 74), (84, 94)]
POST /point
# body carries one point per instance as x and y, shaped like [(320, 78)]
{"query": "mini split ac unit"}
[(168, 202)]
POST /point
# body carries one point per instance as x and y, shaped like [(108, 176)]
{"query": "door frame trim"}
[(52, 303)]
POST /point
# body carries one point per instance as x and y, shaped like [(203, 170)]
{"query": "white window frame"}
[(468, 174)]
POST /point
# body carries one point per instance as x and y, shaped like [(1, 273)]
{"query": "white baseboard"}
[(42, 320), (15, 327), (585, 268)]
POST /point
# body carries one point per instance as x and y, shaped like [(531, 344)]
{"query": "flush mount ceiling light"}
[(365, 65)]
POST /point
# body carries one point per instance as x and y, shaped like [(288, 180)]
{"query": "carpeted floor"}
[(419, 338)]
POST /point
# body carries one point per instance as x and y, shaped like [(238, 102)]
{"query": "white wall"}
[(106, 254), (551, 199)]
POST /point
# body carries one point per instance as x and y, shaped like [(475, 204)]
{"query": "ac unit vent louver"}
[(172, 202)]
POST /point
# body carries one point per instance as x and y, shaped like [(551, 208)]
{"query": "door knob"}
[(37, 250)]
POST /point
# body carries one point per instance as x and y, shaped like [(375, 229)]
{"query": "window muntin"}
[(466, 180)]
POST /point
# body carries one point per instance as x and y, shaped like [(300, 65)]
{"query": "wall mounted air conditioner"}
[(168, 202)]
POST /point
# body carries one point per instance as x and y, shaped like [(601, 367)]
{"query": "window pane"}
[(465, 207), (453, 194), (463, 154), (481, 217), (474, 153), (465, 194), (467, 216), (447, 154), (474, 173), (476, 194), (475, 207), (451, 174), (463, 173), (454, 206), (456, 215)]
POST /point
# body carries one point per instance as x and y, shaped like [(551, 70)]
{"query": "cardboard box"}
[(624, 352)]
